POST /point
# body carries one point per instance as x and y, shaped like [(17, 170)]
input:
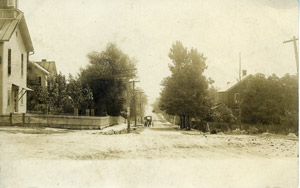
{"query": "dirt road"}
[(159, 156)]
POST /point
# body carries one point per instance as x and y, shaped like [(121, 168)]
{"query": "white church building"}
[(15, 48)]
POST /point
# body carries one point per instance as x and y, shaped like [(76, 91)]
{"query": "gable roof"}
[(9, 22), (49, 66), (236, 84), (39, 67), (7, 26)]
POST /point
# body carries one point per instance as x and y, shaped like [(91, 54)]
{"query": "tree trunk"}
[(188, 123), (183, 121), (180, 122)]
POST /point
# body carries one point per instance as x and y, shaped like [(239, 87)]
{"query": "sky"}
[(66, 31)]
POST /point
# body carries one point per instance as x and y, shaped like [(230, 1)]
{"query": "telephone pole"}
[(128, 104), (294, 40), (127, 80), (240, 67), (141, 102), (239, 95), (141, 109), (134, 105)]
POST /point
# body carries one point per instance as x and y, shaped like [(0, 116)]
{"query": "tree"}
[(156, 106), (262, 100), (185, 92), (55, 95), (106, 75), (33, 99), (80, 96), (271, 101)]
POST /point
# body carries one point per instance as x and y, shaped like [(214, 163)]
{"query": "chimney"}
[(44, 60), (244, 73)]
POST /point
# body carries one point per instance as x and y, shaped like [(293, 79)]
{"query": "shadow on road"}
[(164, 129)]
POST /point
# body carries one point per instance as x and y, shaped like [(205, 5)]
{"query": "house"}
[(39, 71), (231, 96), (15, 49), (36, 75)]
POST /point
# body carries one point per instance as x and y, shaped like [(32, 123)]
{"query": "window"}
[(40, 81), (236, 98), (8, 97), (22, 64), (9, 61)]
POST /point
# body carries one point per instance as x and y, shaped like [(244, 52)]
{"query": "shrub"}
[(219, 126), (222, 113), (253, 130), (199, 125)]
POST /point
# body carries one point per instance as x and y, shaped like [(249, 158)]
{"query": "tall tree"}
[(106, 75), (55, 96), (271, 100), (80, 96), (185, 91)]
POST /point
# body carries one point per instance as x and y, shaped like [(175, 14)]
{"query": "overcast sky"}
[(65, 31)]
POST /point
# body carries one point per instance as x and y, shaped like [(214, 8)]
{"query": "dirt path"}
[(159, 156)]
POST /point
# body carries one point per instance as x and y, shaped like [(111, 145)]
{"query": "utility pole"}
[(294, 40), (141, 110), (134, 105), (128, 105), (240, 67), (127, 80), (239, 95)]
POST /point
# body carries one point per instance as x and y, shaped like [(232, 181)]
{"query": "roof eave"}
[(26, 34), (40, 68), (238, 83)]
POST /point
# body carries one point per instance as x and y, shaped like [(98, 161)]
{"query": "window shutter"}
[(22, 64), (9, 61)]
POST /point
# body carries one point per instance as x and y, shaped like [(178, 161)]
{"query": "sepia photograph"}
[(149, 94)]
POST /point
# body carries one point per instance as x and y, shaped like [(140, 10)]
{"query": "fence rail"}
[(60, 121)]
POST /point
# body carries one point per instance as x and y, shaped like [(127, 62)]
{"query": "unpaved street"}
[(159, 156)]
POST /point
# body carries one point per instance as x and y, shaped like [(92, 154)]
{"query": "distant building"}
[(231, 96), (15, 47), (39, 71), (37, 75)]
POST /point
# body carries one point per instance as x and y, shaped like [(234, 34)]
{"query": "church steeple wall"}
[(7, 4)]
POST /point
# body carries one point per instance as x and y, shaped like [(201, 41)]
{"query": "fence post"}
[(100, 123), (75, 111), (47, 121), (92, 112), (23, 119), (10, 119)]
